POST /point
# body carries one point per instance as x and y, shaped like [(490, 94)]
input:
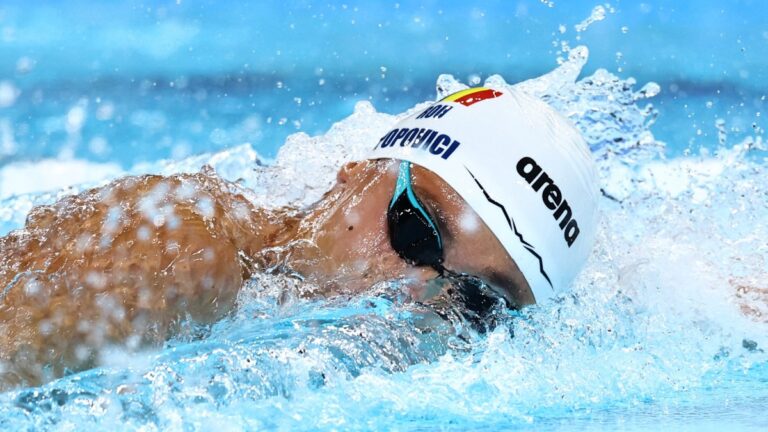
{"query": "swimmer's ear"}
[(346, 172)]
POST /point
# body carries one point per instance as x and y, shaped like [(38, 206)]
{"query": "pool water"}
[(665, 328)]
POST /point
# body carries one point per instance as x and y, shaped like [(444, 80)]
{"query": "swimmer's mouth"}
[(477, 300)]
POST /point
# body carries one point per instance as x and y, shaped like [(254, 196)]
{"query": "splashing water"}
[(598, 14), (668, 316)]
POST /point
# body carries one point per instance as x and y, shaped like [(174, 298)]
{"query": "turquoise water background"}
[(185, 77)]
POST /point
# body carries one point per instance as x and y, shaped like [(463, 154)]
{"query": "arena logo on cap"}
[(472, 96), (552, 197)]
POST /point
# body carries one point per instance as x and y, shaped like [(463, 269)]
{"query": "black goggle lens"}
[(412, 235)]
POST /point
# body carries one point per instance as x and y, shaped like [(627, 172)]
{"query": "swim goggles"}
[(413, 234)]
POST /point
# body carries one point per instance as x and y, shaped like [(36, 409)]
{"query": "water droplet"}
[(598, 14), (721, 132), (25, 65), (8, 94)]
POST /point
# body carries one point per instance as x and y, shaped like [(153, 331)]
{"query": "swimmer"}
[(492, 190)]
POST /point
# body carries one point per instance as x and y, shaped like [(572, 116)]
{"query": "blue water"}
[(656, 333), (184, 78)]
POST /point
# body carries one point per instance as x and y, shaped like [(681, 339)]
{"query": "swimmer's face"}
[(353, 251)]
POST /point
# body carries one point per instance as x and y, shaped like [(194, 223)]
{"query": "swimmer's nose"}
[(421, 283), (421, 274)]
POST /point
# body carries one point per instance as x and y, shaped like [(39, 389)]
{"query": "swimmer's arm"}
[(123, 265)]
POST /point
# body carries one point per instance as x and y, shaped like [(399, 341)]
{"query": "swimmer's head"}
[(521, 167)]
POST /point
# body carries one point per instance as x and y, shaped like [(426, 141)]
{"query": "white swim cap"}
[(523, 168)]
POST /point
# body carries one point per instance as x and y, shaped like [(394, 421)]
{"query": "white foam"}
[(52, 175)]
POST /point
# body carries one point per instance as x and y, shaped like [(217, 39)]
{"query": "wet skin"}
[(127, 263)]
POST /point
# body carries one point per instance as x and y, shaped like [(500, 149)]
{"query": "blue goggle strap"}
[(404, 185)]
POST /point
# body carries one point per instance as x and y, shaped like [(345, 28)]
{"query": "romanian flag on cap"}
[(471, 96)]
